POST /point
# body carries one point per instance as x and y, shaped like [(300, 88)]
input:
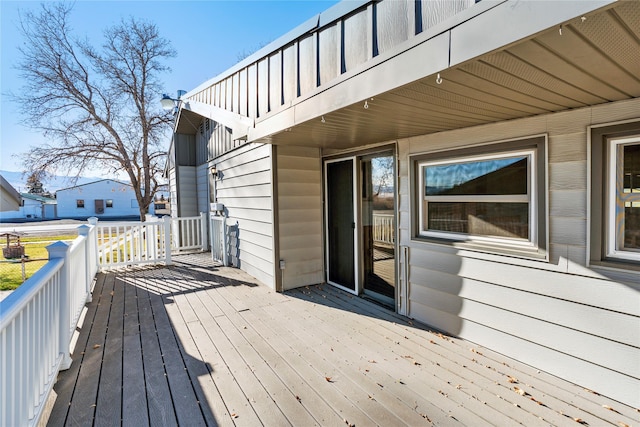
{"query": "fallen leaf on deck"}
[(520, 391), (372, 361), (416, 363), (579, 421), (621, 424), (432, 341), (96, 346), (609, 408), (538, 402), (328, 379), (234, 415), (512, 380), (298, 399)]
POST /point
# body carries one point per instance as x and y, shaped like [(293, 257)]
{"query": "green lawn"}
[(35, 250)]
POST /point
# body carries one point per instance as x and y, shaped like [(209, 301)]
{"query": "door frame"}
[(356, 219)]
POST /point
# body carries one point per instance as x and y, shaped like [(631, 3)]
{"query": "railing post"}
[(93, 221), (84, 231), (61, 250), (203, 228), (149, 236), (166, 223), (225, 251)]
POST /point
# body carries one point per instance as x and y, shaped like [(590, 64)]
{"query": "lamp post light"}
[(169, 103)]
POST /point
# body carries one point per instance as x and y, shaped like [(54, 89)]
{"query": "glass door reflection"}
[(378, 227)]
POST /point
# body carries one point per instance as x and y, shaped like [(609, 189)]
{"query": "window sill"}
[(488, 248)]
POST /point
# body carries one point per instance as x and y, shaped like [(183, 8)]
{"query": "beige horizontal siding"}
[(559, 315), (300, 215), (244, 187)]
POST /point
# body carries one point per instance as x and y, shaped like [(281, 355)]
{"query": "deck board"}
[(159, 401), (83, 403), (200, 344), (109, 403), (134, 406)]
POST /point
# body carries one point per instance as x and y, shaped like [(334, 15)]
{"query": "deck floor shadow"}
[(200, 344)]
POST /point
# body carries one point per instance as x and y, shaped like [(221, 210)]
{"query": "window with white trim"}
[(623, 198), (488, 195)]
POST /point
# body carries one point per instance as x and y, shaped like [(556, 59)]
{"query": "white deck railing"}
[(189, 233), (38, 320), (122, 244), (218, 229), (36, 326), (383, 231)]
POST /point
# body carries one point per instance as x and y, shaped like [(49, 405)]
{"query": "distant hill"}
[(51, 184)]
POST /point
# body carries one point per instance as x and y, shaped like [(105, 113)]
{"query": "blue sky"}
[(208, 36)]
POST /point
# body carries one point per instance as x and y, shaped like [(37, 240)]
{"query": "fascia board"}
[(512, 21)]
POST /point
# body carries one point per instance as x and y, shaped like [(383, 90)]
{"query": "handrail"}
[(37, 321), (18, 299)]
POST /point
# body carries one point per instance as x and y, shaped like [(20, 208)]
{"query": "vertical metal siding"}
[(252, 91), (328, 57), (289, 73), (263, 87), (275, 81), (307, 64), (243, 92), (355, 40), (316, 58), (392, 23)]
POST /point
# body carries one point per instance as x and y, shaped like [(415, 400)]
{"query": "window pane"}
[(486, 177), (632, 226), (631, 168), (632, 207), (480, 218)]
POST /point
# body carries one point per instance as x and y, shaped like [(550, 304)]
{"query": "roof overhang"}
[(512, 60), (496, 61)]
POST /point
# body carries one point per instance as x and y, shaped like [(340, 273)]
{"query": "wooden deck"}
[(198, 344)]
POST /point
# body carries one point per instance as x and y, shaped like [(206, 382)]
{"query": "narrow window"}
[(623, 198), (80, 203), (109, 203)]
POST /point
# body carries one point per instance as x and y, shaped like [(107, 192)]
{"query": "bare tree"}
[(99, 107)]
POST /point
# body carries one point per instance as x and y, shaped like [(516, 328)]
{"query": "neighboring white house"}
[(9, 196), (508, 133), (32, 207), (102, 199), (105, 198)]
